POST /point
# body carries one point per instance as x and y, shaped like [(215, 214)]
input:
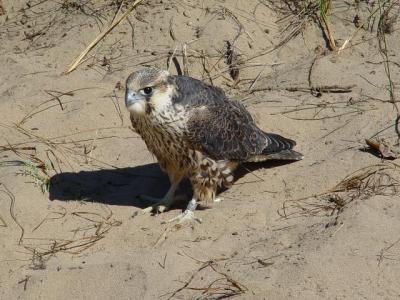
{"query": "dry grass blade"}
[(11, 196), (220, 288), (296, 14), (324, 7), (360, 26), (115, 22), (95, 228), (313, 89), (383, 29), (385, 253), (364, 183), (322, 110), (369, 181), (58, 215), (171, 59), (55, 95), (185, 60)]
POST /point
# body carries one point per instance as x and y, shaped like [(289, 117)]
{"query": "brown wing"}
[(222, 128), (228, 132)]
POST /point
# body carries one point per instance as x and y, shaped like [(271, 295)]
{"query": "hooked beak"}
[(135, 102), (131, 97)]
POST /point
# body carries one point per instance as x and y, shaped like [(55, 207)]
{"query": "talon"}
[(143, 211), (161, 208), (187, 215), (160, 205)]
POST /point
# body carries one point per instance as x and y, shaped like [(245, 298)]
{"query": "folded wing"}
[(224, 129)]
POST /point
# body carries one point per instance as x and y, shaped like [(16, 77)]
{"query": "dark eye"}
[(147, 90)]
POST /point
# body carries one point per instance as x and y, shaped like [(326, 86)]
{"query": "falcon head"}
[(148, 90)]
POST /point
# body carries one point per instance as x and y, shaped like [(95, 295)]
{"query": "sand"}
[(71, 168)]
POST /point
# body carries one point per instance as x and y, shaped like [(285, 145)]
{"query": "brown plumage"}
[(196, 132)]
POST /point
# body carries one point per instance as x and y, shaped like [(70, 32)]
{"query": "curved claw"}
[(160, 205), (187, 215)]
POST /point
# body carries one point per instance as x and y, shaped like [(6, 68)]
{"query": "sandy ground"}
[(71, 168)]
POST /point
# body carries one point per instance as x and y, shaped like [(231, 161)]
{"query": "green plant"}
[(38, 174)]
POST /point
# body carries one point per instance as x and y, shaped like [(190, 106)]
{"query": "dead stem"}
[(11, 196), (381, 35), (362, 184), (320, 89), (357, 30), (382, 255), (55, 95), (336, 129), (96, 229), (224, 287), (324, 7), (59, 215), (185, 60), (113, 24)]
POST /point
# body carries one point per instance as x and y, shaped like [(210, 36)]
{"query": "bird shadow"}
[(110, 186), (123, 186)]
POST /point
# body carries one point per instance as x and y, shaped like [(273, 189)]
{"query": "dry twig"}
[(115, 22), (221, 288), (384, 252), (84, 237), (362, 184), (11, 196)]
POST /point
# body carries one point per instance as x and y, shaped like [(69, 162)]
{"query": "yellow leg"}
[(187, 215)]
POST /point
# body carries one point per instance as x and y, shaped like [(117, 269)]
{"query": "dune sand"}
[(72, 168)]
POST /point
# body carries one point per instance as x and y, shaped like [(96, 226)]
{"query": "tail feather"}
[(277, 143), (278, 148), (282, 155)]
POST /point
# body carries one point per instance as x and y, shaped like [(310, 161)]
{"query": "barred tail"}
[(277, 148)]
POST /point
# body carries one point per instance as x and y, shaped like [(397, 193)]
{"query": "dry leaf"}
[(383, 147)]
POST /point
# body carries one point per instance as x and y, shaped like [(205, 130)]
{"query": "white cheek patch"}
[(160, 101), (138, 107)]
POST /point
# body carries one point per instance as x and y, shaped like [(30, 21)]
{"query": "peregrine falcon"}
[(196, 132)]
